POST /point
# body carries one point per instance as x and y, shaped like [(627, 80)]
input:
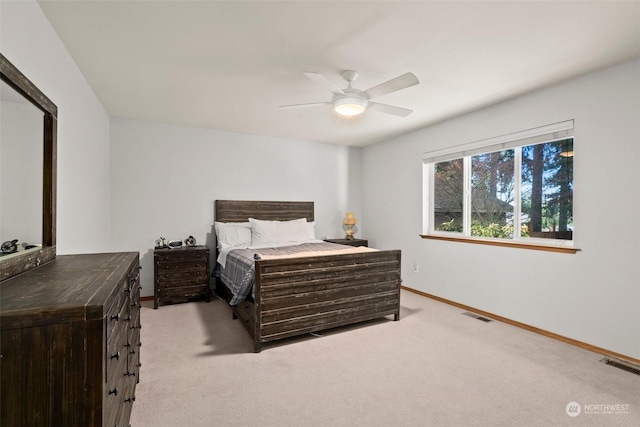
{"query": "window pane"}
[(492, 194), (547, 190), (448, 195)]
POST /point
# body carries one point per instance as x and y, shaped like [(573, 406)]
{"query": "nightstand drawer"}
[(182, 267), (182, 255), (169, 281), (184, 292)]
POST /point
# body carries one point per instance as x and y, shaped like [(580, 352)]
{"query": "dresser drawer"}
[(133, 334), (120, 381), (128, 398), (116, 313), (115, 394), (116, 367)]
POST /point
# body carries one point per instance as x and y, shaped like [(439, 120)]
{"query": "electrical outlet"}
[(415, 267)]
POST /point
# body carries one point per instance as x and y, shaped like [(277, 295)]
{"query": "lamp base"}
[(350, 232)]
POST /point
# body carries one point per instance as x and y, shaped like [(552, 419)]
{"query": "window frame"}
[(515, 141)]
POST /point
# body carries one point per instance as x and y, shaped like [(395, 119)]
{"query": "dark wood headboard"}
[(242, 210)]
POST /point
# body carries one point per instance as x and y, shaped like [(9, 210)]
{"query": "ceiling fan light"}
[(349, 105)]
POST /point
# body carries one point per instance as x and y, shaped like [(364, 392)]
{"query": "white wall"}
[(592, 296), (83, 212), (165, 179)]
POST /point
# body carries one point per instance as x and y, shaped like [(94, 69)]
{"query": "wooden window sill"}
[(509, 244)]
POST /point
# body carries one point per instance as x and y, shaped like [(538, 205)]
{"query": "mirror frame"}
[(47, 252)]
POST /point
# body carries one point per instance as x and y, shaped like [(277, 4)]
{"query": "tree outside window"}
[(448, 195), (547, 189)]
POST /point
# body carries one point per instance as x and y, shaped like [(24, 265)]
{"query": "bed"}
[(298, 295)]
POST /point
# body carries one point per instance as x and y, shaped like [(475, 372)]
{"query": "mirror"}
[(28, 126), (21, 158)]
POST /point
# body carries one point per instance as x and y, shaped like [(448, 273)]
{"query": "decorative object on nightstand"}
[(174, 244), (161, 243), (181, 274), (349, 221), (349, 242)]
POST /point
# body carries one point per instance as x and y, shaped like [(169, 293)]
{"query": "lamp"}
[(349, 221), (350, 105), (567, 148)]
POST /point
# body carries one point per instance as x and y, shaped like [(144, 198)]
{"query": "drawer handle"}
[(114, 391), (116, 356), (130, 374), (130, 399), (115, 317), (132, 352)]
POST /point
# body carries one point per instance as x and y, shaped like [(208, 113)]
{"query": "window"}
[(517, 187)]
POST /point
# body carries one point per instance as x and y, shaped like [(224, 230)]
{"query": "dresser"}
[(70, 342), (181, 274)]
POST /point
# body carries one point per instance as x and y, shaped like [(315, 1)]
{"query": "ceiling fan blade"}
[(389, 109), (312, 104), (401, 82), (322, 81)]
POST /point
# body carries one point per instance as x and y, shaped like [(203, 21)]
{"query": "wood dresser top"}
[(69, 288)]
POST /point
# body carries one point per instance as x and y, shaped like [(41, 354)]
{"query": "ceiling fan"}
[(352, 102)]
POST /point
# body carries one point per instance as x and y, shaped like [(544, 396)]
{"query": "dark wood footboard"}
[(295, 296)]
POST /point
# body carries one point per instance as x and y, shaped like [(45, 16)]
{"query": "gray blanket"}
[(239, 273)]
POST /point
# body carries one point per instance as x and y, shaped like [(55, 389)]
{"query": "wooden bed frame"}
[(297, 296)]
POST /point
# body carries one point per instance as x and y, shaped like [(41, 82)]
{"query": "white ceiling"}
[(228, 65)]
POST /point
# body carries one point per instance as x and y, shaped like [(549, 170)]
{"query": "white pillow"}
[(276, 232), (233, 234), (309, 231)]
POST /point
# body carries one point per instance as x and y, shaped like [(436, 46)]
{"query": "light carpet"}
[(435, 367)]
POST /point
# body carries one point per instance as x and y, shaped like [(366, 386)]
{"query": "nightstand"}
[(181, 274), (353, 242)]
